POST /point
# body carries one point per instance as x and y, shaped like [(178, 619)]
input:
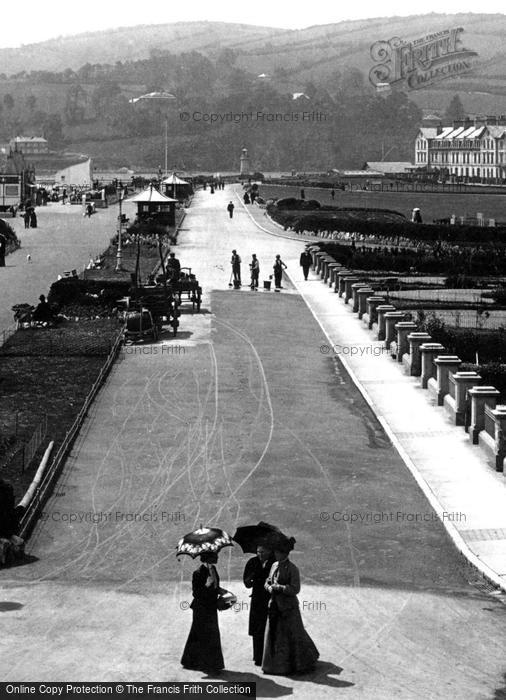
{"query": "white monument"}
[(245, 168)]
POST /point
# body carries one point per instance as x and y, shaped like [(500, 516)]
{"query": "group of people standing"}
[(254, 266), (281, 645), (30, 217)]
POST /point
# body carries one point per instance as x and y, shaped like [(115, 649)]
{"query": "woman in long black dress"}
[(203, 646), (288, 648)]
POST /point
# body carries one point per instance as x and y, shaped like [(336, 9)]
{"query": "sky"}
[(41, 20)]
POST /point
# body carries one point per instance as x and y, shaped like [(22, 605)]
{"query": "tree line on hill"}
[(319, 130)]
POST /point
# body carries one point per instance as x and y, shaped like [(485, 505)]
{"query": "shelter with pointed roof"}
[(177, 187), (152, 204)]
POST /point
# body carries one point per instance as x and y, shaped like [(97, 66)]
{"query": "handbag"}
[(226, 599)]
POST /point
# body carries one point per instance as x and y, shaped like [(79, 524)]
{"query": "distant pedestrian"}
[(302, 194), (230, 209), (332, 193), (255, 271), (306, 260), (246, 198), (278, 268), (3, 243), (33, 219), (236, 268), (89, 210), (212, 189), (416, 216), (26, 217)]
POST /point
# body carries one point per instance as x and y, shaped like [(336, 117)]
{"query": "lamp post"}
[(119, 267), (158, 96)]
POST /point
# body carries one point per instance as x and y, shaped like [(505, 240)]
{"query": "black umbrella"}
[(250, 536), (205, 539)]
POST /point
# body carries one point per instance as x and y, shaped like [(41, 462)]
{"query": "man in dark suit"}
[(306, 260), (255, 574)]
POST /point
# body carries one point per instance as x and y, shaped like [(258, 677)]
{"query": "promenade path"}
[(239, 419), (63, 240)]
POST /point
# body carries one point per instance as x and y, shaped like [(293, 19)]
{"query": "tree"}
[(75, 104), (53, 130), (455, 110), (104, 96), (31, 101), (9, 101)]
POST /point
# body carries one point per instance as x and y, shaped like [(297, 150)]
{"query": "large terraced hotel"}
[(470, 150)]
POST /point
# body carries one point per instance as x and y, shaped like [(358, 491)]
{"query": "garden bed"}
[(47, 372)]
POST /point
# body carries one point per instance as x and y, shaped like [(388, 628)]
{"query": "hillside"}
[(76, 91)]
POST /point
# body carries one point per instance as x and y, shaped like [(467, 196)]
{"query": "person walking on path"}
[(278, 268), (202, 651), (302, 194), (3, 246), (255, 574), (288, 648), (230, 209), (306, 260), (26, 217), (33, 218), (255, 271), (236, 267), (332, 193)]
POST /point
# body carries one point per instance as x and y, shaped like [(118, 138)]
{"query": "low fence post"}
[(403, 328), (445, 364), (463, 382), (415, 358), (481, 396), (381, 310), (429, 352), (499, 414)]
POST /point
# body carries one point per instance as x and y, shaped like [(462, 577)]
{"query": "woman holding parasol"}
[(202, 651)]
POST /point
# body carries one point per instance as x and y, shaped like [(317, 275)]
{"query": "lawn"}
[(432, 205)]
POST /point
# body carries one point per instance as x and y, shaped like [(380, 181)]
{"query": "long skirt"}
[(203, 646), (288, 648)]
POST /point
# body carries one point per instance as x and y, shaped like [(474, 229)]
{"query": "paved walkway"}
[(247, 421), (63, 240), (456, 476)]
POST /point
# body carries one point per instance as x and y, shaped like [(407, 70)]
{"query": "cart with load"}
[(186, 284), (149, 308)]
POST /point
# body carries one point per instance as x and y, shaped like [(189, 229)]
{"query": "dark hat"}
[(280, 543)]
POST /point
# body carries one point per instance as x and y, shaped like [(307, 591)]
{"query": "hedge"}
[(335, 220), (491, 373), (459, 266), (466, 342)]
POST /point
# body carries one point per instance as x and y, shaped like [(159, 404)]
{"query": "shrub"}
[(491, 373), (467, 343)]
